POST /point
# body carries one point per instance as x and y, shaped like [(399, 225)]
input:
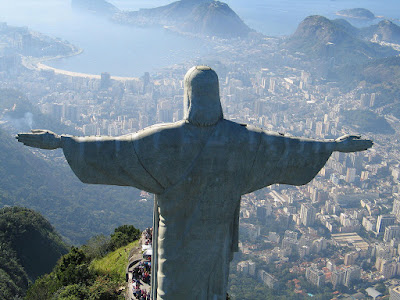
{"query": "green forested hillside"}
[(319, 37), (29, 247), (380, 76), (43, 181), (95, 271), (367, 121)]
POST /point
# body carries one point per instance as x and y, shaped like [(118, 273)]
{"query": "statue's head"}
[(201, 105)]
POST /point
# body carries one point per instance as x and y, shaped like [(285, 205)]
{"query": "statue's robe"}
[(198, 174)]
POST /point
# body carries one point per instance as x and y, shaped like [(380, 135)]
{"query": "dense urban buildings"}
[(341, 230)]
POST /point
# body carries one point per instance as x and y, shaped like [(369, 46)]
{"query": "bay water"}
[(131, 51)]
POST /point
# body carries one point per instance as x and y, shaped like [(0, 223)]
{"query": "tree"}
[(97, 247), (103, 289), (73, 268), (73, 292), (43, 288), (123, 235), (29, 248), (74, 279)]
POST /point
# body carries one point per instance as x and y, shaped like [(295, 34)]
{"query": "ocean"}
[(129, 51)]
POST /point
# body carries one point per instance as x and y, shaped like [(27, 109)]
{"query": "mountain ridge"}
[(100, 7), (322, 38), (385, 31), (205, 18), (29, 247)]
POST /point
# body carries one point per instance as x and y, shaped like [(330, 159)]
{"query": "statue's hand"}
[(352, 143), (43, 139)]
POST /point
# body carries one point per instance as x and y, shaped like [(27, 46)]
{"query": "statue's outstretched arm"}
[(97, 160), (352, 143), (39, 138), (296, 161)]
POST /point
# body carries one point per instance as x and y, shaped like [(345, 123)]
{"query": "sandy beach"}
[(41, 66)]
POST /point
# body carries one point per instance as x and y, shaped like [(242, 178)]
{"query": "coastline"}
[(360, 18), (349, 16), (38, 64)]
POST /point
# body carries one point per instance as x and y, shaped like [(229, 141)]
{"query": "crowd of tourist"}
[(148, 235), (141, 294), (141, 272)]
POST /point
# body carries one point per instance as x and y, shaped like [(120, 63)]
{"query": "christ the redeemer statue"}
[(198, 169)]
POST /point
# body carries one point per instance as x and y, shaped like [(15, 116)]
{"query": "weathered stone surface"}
[(198, 168)]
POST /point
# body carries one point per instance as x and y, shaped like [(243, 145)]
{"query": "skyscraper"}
[(383, 222), (315, 276), (352, 273), (396, 208), (350, 175), (307, 214), (392, 231), (105, 81)]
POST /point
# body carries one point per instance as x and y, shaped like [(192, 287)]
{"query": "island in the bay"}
[(188, 17), (356, 13)]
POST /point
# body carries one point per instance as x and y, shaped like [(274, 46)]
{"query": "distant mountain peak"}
[(200, 17), (197, 1), (385, 30), (385, 22), (356, 13), (322, 38), (388, 24), (321, 28), (216, 18), (101, 7)]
